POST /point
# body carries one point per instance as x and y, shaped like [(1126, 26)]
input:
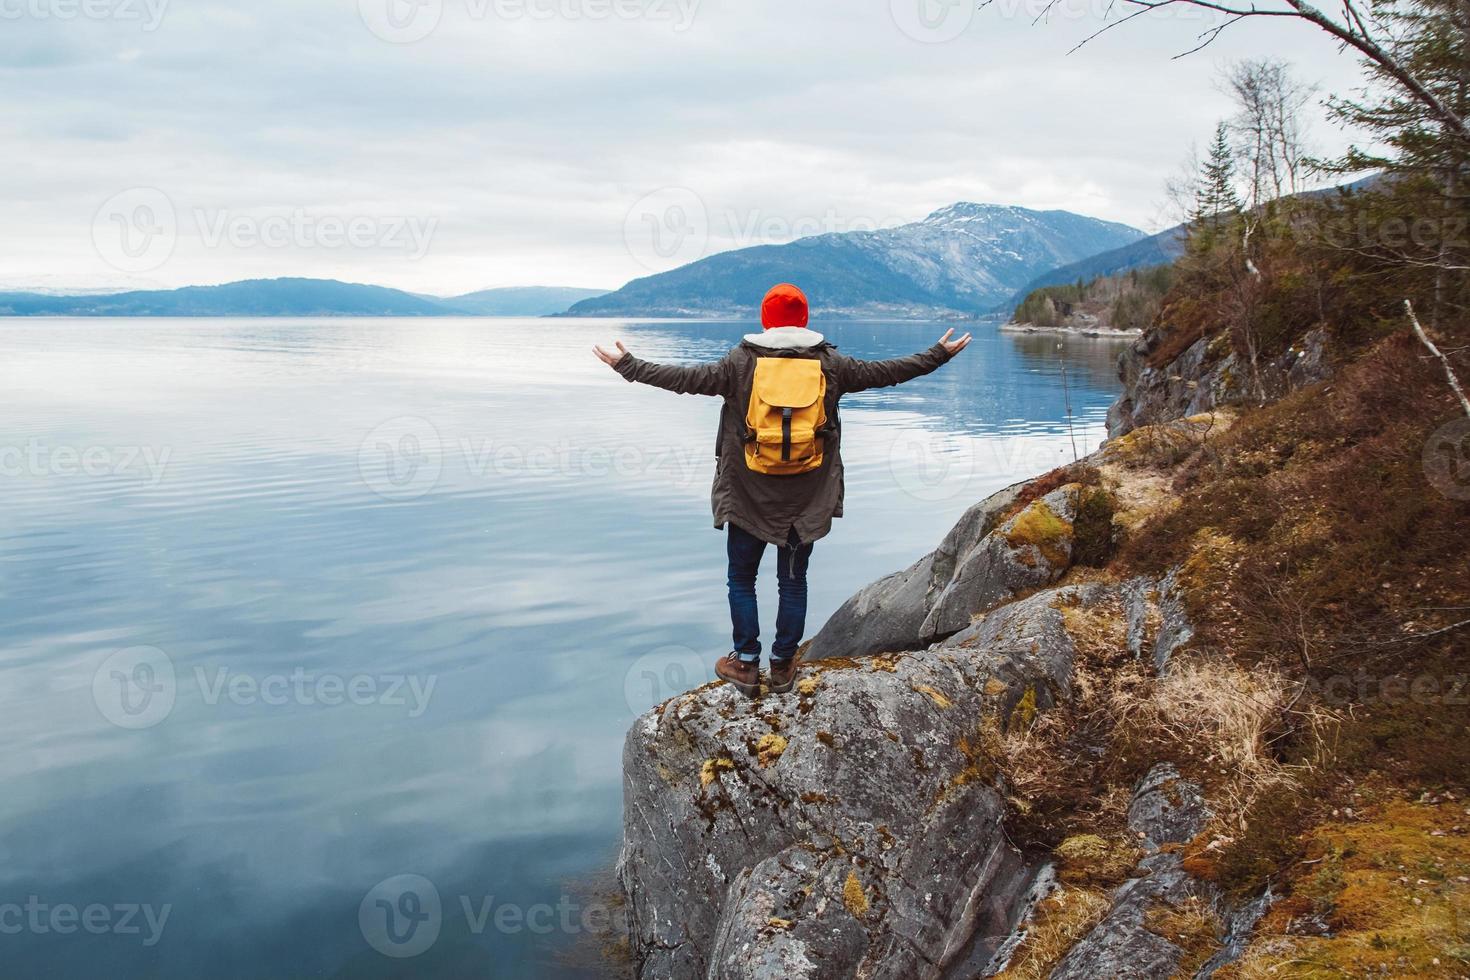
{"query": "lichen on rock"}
[(769, 749), (854, 897)]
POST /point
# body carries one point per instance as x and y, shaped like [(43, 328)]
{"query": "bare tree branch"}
[(1425, 635), (1448, 369), (1353, 31)]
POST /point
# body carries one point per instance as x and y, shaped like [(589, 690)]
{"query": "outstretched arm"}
[(699, 379), (857, 375)]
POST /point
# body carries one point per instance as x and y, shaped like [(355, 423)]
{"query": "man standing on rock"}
[(778, 475)]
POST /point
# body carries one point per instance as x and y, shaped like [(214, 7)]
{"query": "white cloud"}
[(526, 129)]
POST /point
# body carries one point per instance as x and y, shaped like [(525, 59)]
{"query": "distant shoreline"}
[(1106, 334), (321, 315)]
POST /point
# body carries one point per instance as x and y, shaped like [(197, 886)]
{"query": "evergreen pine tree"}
[(1216, 199), (1428, 159), (1431, 38)]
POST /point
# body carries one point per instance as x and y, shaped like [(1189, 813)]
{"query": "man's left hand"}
[(611, 359)]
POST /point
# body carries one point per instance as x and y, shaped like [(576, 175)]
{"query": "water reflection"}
[(1095, 358)]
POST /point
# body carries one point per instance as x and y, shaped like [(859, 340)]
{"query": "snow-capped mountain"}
[(962, 260)]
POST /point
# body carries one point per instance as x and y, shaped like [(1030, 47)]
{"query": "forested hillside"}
[(1123, 301)]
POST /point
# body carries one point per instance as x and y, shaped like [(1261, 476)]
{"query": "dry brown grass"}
[(1193, 925), (1098, 630), (1087, 859), (1050, 765), (1219, 722), (1224, 715), (1061, 919), (1326, 497), (1034, 761), (1209, 701)]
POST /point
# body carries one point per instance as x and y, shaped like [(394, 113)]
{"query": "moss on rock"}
[(1040, 527), (1023, 715), (711, 770)]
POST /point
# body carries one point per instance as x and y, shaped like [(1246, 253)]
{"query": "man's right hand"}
[(952, 346), (611, 359)]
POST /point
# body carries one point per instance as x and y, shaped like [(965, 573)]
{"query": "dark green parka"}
[(770, 506)]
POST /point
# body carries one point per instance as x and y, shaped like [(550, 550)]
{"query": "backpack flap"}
[(786, 416)]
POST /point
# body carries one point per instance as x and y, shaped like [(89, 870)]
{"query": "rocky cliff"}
[(858, 826), (852, 827), (1208, 374), (1061, 745)]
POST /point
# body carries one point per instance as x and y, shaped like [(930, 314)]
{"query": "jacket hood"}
[(785, 338)]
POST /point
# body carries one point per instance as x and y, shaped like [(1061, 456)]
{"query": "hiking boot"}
[(783, 674), (746, 678)]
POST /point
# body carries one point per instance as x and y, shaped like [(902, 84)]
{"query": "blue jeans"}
[(745, 551)]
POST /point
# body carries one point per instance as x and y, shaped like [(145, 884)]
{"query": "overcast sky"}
[(444, 146)]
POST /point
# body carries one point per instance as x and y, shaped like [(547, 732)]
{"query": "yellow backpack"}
[(786, 422)]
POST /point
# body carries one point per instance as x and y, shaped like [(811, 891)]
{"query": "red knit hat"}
[(784, 306)]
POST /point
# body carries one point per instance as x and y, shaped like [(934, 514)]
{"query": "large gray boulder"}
[(851, 827), (889, 614), (982, 562), (883, 617), (1031, 549)]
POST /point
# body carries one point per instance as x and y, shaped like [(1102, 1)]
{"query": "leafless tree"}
[(1268, 128)]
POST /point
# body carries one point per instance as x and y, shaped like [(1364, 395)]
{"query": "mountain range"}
[(294, 297), (961, 261)]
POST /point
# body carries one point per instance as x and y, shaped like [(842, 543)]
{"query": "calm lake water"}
[(321, 636)]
